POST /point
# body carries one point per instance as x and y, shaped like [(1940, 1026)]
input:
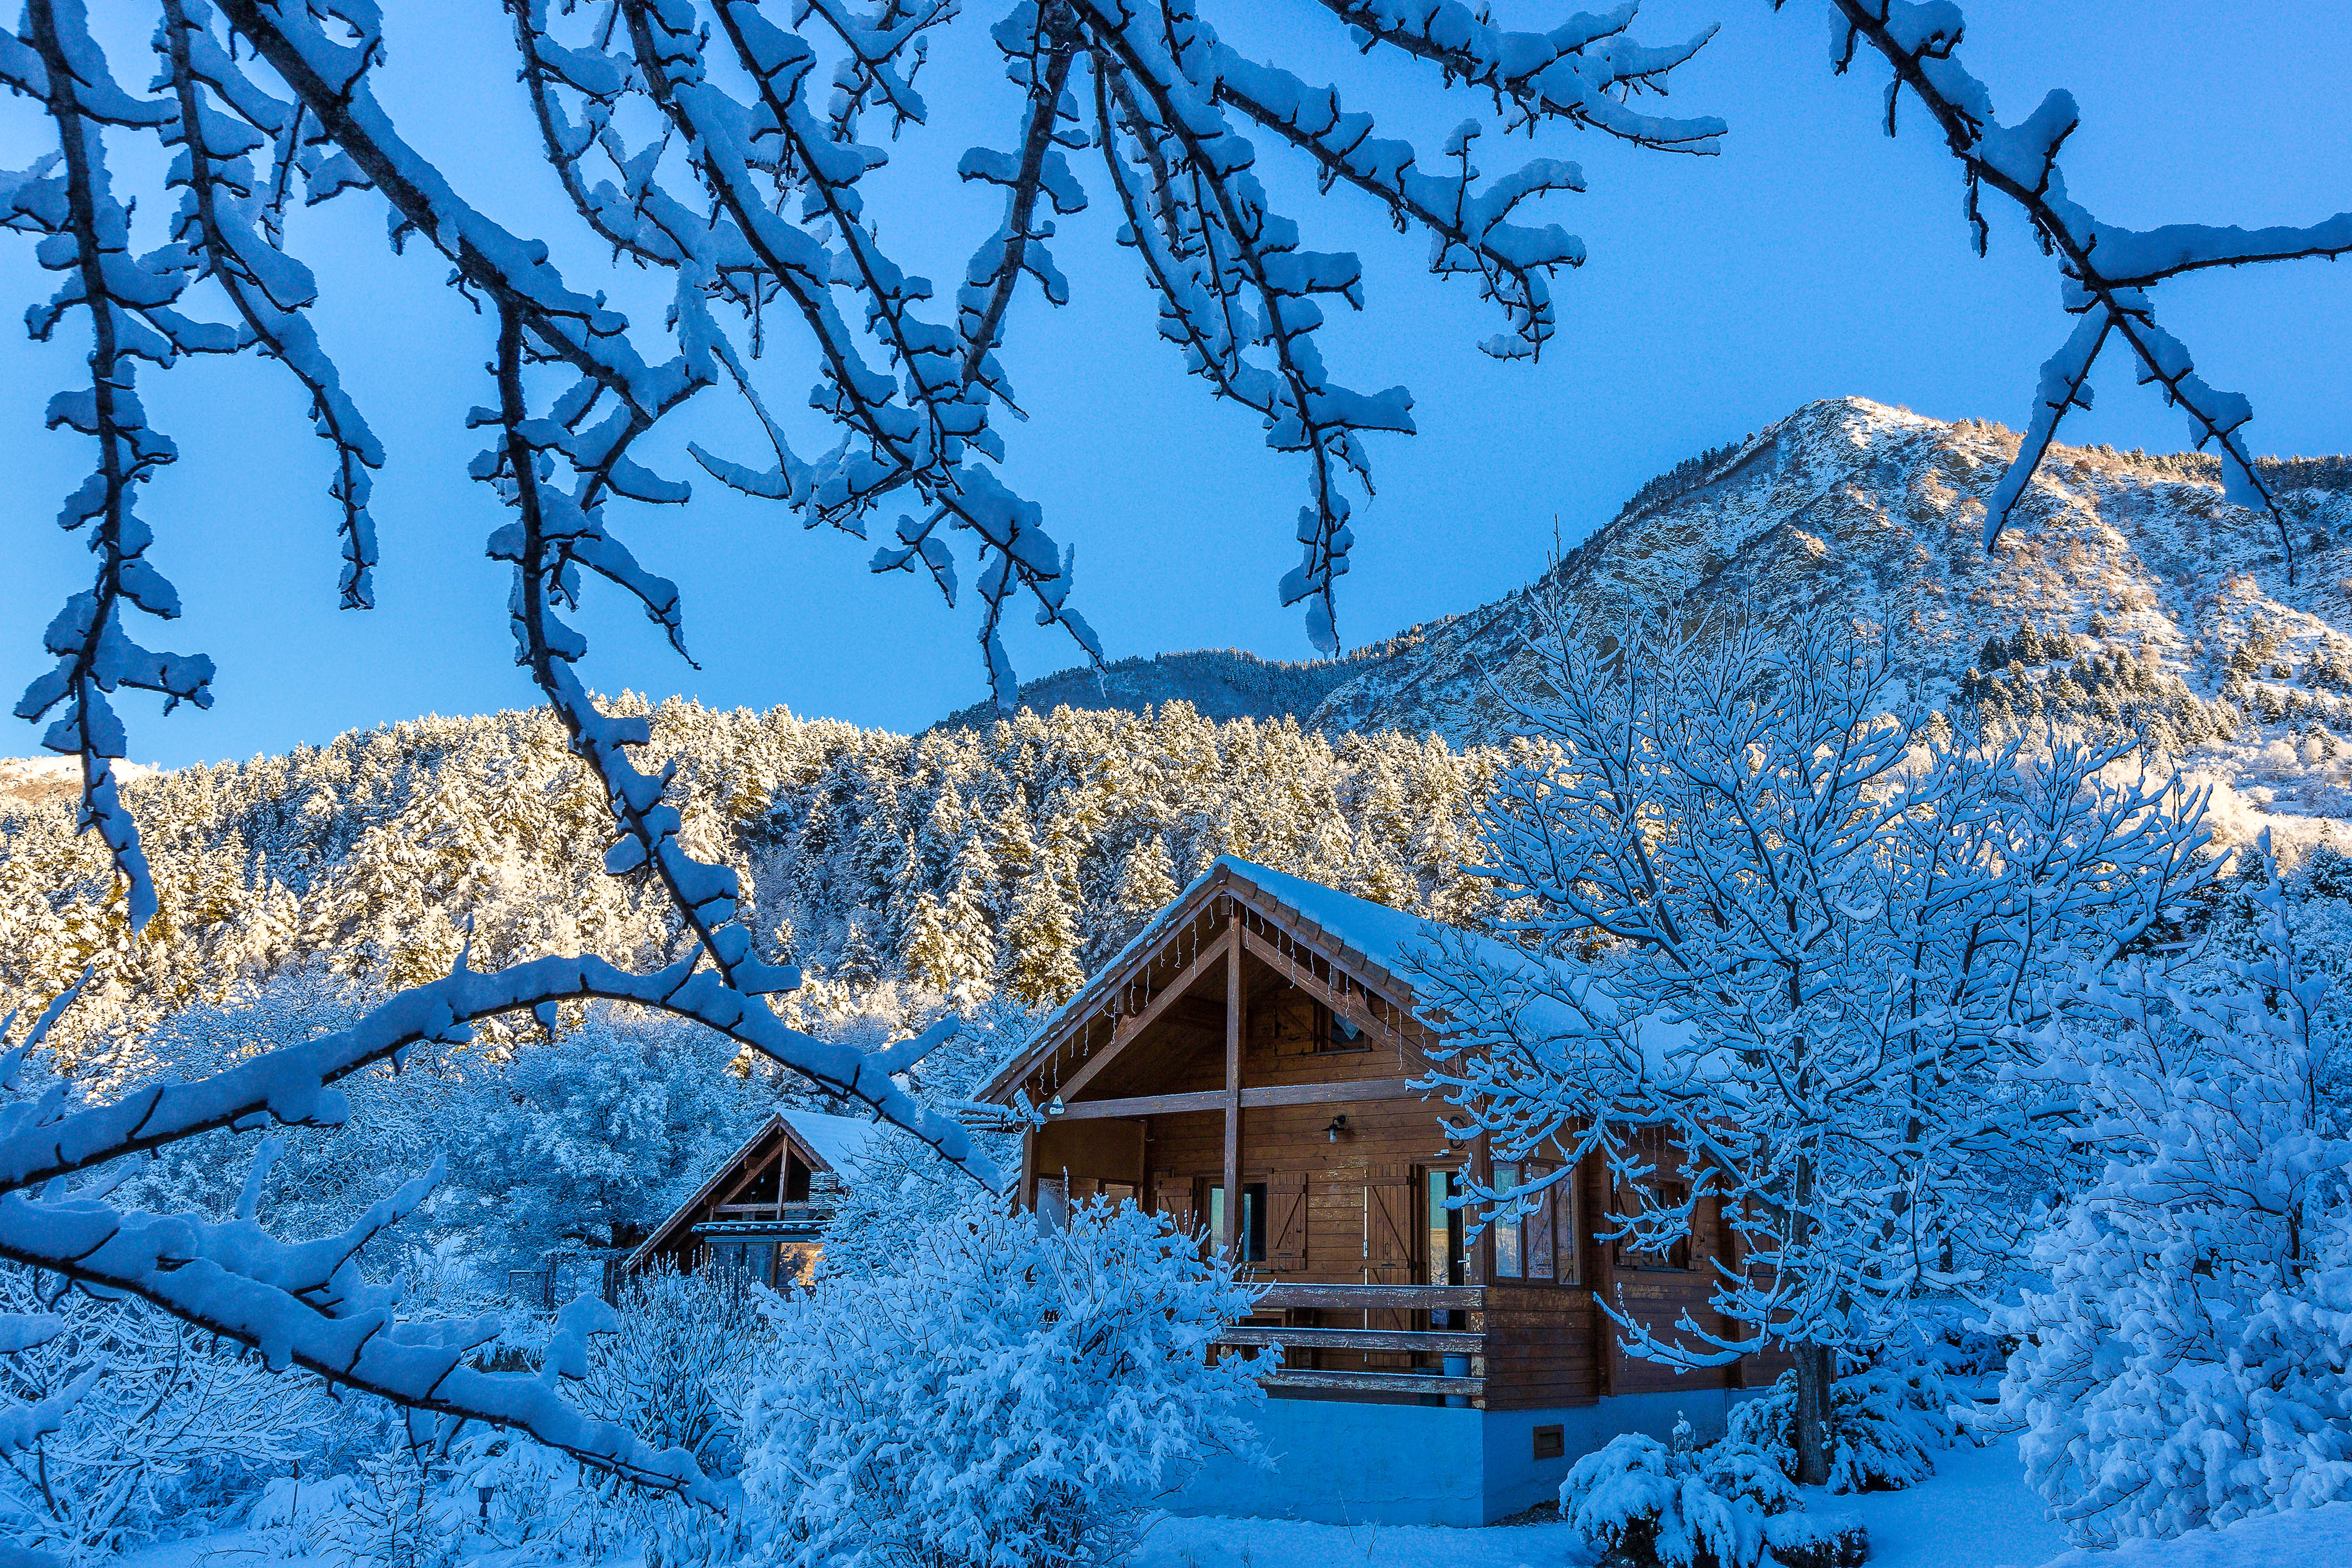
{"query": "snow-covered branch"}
[(2107, 269)]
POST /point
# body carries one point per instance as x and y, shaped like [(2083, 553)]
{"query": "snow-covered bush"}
[(676, 1369), (1016, 1393), (903, 1189), (1646, 1504), (1650, 1506), (392, 1515), (1884, 1423), (2190, 1363), (169, 1421), (1742, 1471)]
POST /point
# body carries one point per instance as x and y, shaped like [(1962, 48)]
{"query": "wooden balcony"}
[(810, 1216), (1467, 1345)]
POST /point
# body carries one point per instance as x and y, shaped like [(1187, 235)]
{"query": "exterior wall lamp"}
[(1339, 1125)]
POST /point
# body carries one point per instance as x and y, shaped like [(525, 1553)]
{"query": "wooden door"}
[(1389, 1233), (1285, 1221)]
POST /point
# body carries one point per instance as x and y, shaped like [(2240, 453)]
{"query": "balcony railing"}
[(797, 1214), (1465, 1346)]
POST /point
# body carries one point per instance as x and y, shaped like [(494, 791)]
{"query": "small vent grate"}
[(1552, 1443)]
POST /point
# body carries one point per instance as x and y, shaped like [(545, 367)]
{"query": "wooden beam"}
[(1232, 1086), (1027, 1196), (1364, 1092), (1345, 1006), (1124, 1031), (1143, 1105), (1376, 1382), (1434, 1341), (1356, 1298)]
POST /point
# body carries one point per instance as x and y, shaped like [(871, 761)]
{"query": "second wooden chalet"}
[(764, 1212), (1248, 1065)]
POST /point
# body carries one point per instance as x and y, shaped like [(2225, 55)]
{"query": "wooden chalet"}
[(1248, 1065), (764, 1211)]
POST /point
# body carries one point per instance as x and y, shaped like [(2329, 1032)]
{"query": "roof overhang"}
[(1222, 881), (666, 1231)]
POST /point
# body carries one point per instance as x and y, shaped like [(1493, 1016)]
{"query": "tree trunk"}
[(1816, 1369)]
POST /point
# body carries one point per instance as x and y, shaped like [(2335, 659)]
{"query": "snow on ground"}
[(1293, 1543), (2306, 1538), (1976, 1513)]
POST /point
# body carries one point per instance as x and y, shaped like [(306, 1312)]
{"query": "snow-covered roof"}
[(1391, 939), (842, 1142)]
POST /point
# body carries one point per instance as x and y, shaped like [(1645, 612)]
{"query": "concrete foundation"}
[(1341, 1463)]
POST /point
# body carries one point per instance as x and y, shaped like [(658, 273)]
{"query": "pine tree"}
[(1041, 966)]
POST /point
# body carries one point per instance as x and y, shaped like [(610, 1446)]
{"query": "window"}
[(1676, 1254), (1567, 1232), (1053, 1201), (1528, 1246), (1252, 1228), (1662, 1192), (1447, 1263)]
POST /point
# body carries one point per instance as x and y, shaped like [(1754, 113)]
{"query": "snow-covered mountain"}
[(2128, 555)]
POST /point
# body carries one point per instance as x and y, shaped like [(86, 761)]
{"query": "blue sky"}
[(1813, 258)]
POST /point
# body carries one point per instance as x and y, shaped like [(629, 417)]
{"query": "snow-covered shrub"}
[(677, 1369), (1016, 1393), (904, 1189), (1746, 1473), (2190, 1363), (1816, 1541), (392, 1515), (1883, 1421), (1649, 1505), (169, 1421)]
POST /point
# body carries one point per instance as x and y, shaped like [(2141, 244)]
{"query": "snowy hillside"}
[(35, 781), (2134, 557), (1220, 682)]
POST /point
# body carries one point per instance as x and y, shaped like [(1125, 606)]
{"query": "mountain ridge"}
[(1866, 507)]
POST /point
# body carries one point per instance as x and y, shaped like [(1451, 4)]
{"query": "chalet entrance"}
[(1247, 1065)]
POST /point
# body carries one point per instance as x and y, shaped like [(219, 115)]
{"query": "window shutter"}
[(1388, 1224), (1285, 1220), (1388, 1239), (1172, 1194), (1537, 1228)]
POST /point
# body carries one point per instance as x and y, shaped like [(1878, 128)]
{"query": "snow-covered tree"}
[(2190, 1363), (1785, 928), (157, 1404), (574, 1143), (1018, 1393), (1041, 943)]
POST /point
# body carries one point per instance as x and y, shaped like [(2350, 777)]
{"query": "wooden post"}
[(1604, 1277), (1026, 1198), (1481, 1258), (1230, 1240)]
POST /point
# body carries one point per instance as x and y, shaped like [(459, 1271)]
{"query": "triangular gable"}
[(824, 1143), (1366, 942)]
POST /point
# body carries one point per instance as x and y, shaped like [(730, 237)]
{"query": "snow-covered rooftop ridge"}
[(1391, 938), (845, 1143)]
